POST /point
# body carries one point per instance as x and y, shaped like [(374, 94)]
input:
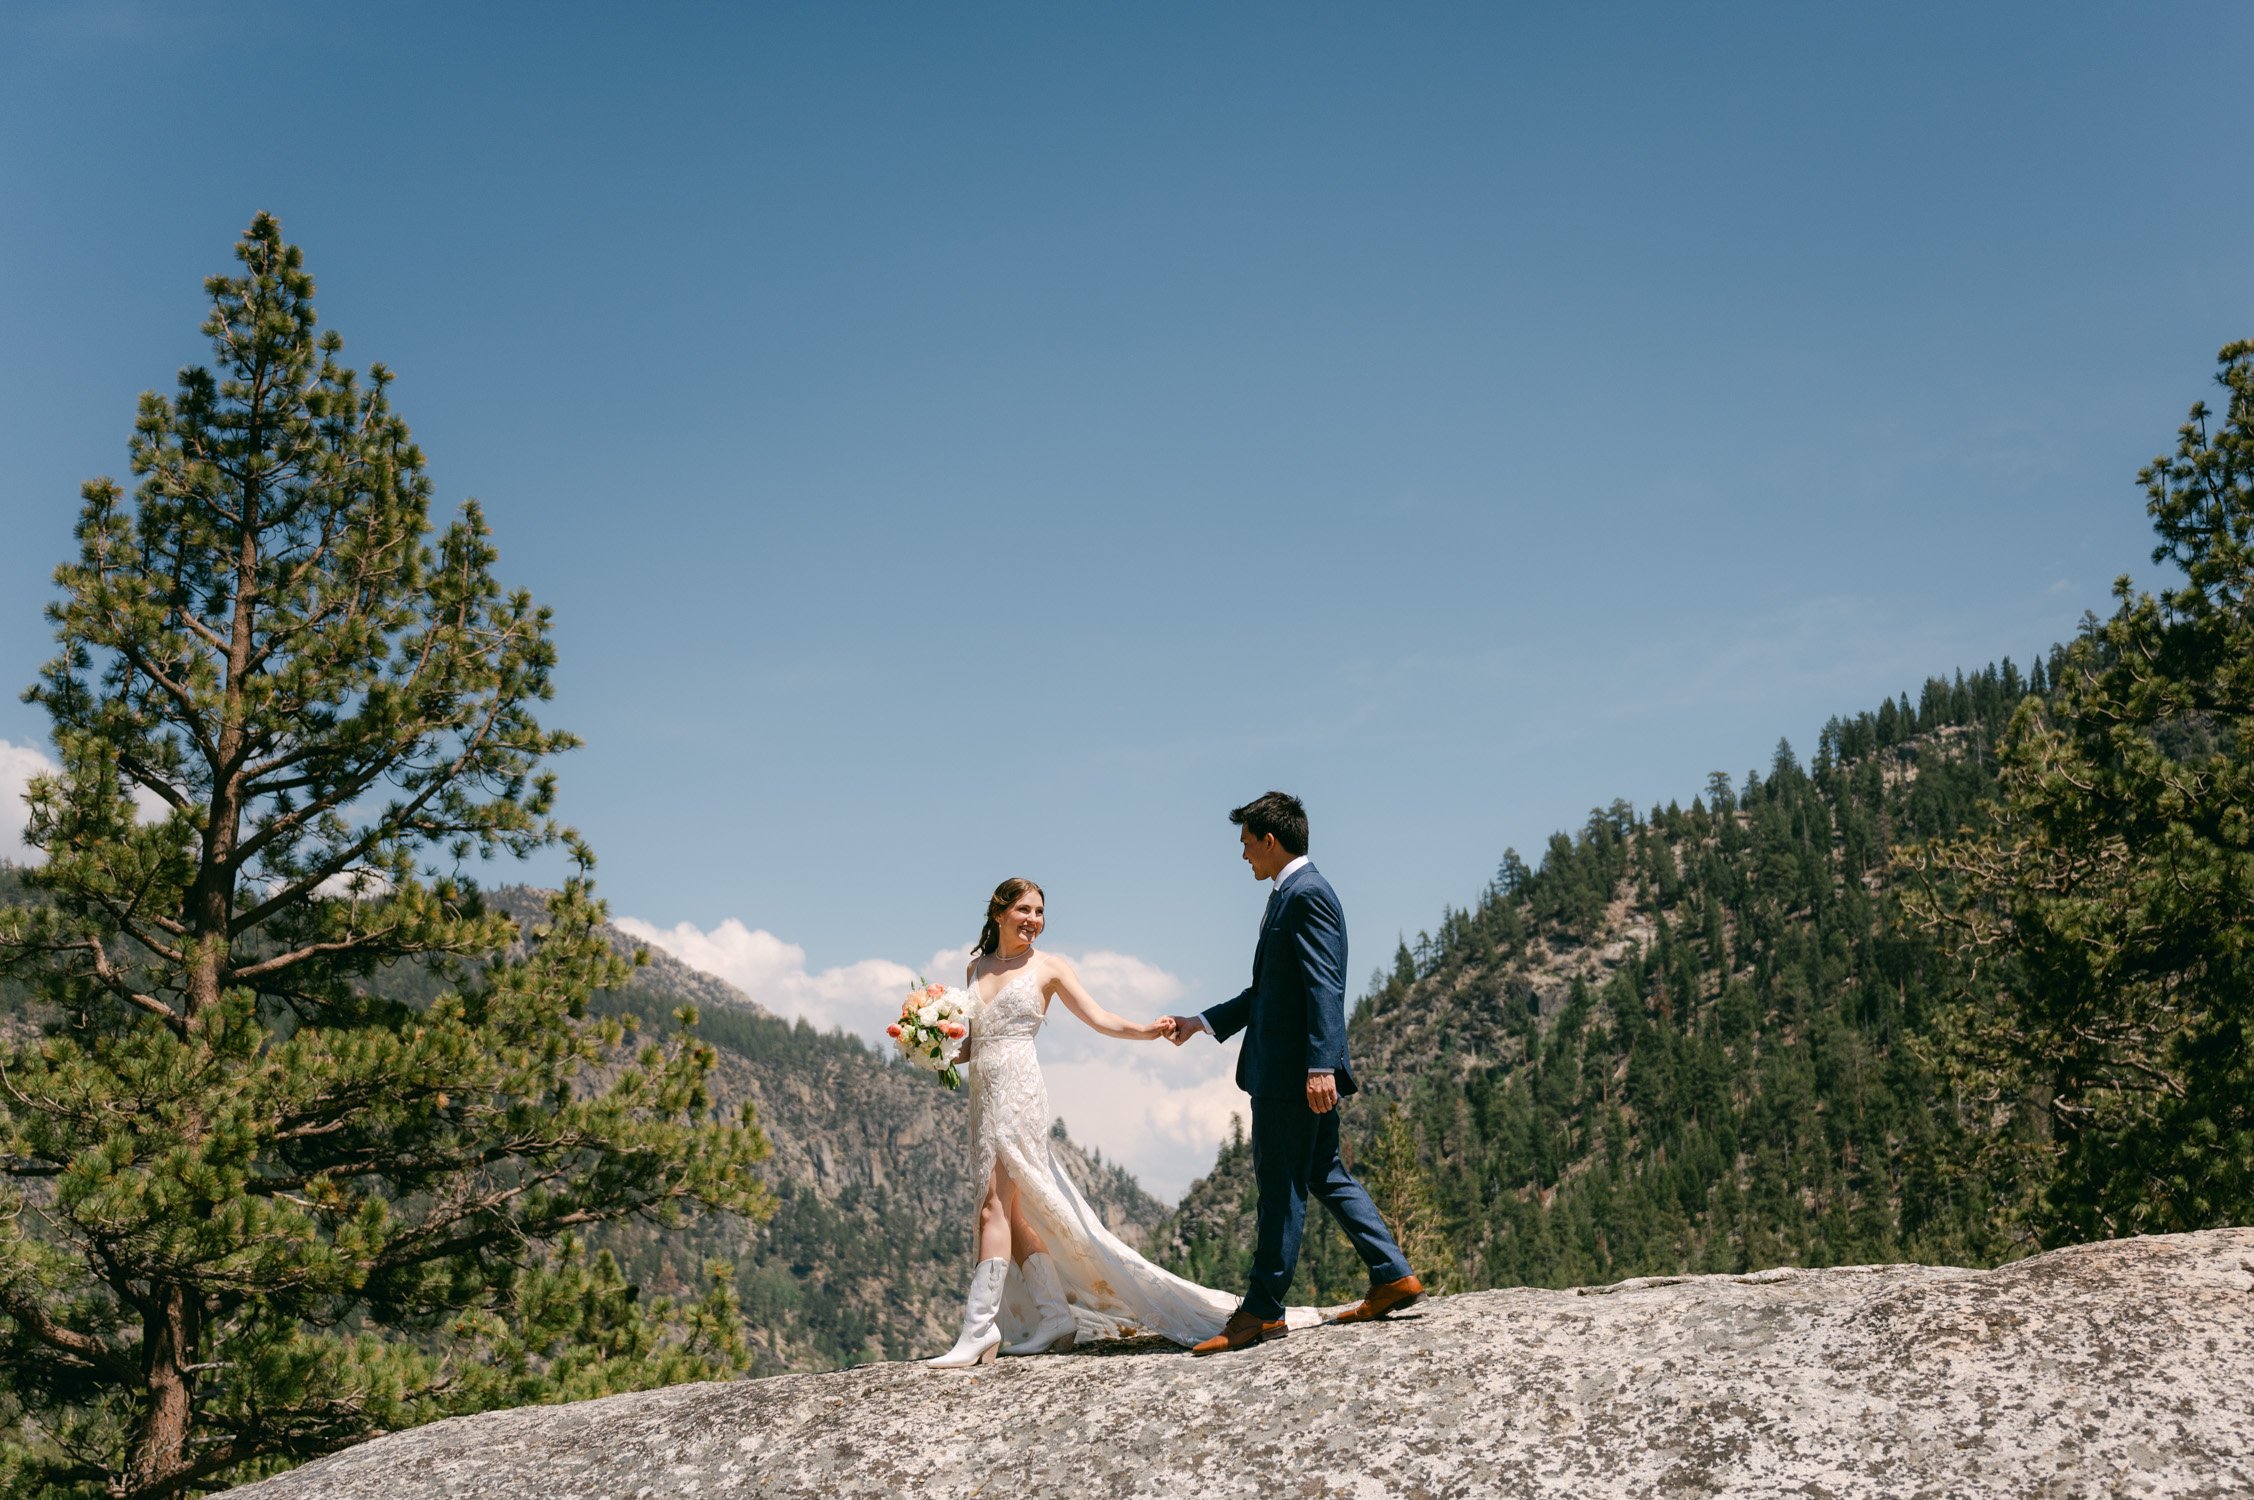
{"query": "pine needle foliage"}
[(251, 1210), (2109, 902)]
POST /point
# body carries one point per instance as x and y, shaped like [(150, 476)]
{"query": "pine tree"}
[(2110, 906), (250, 1212), (1403, 1187)]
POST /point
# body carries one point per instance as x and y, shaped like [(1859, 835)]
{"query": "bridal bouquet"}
[(931, 1024)]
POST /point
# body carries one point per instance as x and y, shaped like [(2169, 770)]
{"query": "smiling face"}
[(1265, 854), (1023, 921)]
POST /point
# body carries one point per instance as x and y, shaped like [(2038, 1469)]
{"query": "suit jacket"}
[(1294, 1015)]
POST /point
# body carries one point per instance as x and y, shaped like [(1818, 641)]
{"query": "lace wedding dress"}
[(1113, 1291)]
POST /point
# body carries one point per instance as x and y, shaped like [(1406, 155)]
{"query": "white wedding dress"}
[(1114, 1292)]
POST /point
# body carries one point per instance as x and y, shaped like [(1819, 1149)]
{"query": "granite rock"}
[(2115, 1369)]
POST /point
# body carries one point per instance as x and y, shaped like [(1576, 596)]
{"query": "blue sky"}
[(969, 441)]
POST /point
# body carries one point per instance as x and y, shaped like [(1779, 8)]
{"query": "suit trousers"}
[(1294, 1154)]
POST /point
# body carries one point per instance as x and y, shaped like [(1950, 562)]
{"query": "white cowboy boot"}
[(979, 1338), (1057, 1331)]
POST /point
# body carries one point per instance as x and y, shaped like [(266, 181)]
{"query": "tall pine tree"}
[(249, 1212)]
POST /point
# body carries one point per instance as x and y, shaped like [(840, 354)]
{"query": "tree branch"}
[(82, 1350)]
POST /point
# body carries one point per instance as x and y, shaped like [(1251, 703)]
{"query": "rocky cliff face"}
[(2110, 1369)]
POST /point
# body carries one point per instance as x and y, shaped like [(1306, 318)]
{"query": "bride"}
[(1048, 1270)]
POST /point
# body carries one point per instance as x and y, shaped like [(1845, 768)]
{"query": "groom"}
[(1294, 1067)]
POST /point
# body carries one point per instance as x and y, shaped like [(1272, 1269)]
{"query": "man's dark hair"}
[(1279, 813)]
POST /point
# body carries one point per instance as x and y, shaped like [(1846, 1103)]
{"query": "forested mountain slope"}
[(1690, 1040)]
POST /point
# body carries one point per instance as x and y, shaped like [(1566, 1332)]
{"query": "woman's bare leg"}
[(1018, 1239), (1024, 1239), (995, 1210), (1002, 1227)]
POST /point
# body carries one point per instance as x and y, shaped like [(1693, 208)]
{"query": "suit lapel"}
[(1267, 921), (1268, 918)]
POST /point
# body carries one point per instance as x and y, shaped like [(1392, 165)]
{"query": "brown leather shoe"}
[(1242, 1331), (1383, 1301)]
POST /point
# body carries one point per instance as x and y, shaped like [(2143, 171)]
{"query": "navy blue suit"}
[(1294, 1018)]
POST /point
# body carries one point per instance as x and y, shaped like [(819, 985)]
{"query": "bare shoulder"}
[(1055, 975)]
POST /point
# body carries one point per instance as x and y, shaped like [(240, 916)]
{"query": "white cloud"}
[(1159, 1111), (18, 764), (368, 885), (1124, 983), (862, 997)]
